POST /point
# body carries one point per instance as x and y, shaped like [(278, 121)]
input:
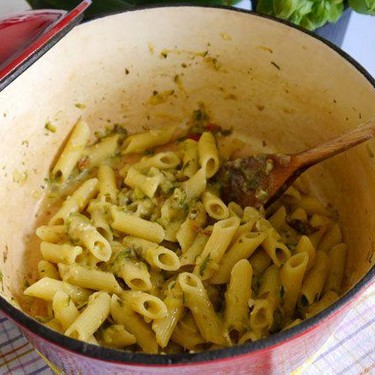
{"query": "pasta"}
[(142, 251)]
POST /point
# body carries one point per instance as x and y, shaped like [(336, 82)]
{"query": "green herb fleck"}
[(50, 127), (204, 265), (80, 106)]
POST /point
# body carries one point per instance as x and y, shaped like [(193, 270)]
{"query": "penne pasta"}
[(64, 309), (208, 154), (102, 150), (89, 278), (51, 233), (60, 253), (190, 160), (144, 304), (313, 283), (196, 299), (136, 226), (108, 191), (116, 336), (145, 251), (143, 334), (144, 141), (46, 288), (80, 229), (92, 317), (214, 206), (72, 151), (76, 202), (47, 269), (292, 273), (208, 262), (242, 248), (237, 296)]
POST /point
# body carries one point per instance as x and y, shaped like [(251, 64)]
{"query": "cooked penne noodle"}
[(208, 154), (157, 256), (269, 284), (161, 160), (144, 141), (305, 246), (164, 327), (275, 248), (60, 253), (51, 233), (237, 296), (190, 255), (46, 288), (299, 214), (100, 218), (195, 220), (317, 236), (196, 299), (292, 273), (195, 185), (314, 281), (89, 278), (313, 206), (102, 150), (190, 160), (262, 315), (108, 191), (72, 151), (144, 304), (92, 317), (235, 210), (55, 325), (47, 269), (252, 216), (76, 202), (187, 333), (243, 248), (148, 184), (133, 323), (292, 324), (64, 309), (327, 300), (331, 238), (208, 262), (249, 336), (134, 273), (260, 261), (214, 206), (80, 229), (162, 258), (136, 226), (116, 336)]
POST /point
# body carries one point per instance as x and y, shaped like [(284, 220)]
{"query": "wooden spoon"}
[(259, 180)]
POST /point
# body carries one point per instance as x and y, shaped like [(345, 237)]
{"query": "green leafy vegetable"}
[(309, 14), (363, 6)]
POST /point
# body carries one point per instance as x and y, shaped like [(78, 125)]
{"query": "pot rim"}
[(265, 344)]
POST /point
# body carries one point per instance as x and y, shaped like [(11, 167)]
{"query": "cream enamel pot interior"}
[(269, 81)]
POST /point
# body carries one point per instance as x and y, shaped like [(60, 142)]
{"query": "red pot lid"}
[(25, 36)]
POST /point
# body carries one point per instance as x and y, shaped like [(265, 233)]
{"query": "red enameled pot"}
[(268, 80)]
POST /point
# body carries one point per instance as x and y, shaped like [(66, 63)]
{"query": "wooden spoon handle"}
[(335, 146)]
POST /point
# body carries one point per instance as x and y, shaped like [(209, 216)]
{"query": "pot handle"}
[(27, 36)]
